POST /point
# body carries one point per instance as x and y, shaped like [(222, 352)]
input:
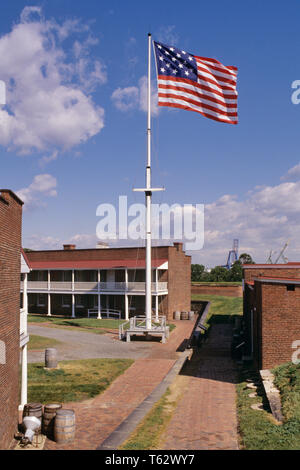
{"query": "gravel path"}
[(82, 345)]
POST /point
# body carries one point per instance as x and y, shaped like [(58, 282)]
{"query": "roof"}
[(272, 266), (12, 194), (97, 264), (24, 262), (279, 280)]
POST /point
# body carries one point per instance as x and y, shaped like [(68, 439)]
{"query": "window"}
[(79, 301), (290, 287), (65, 301), (41, 300)]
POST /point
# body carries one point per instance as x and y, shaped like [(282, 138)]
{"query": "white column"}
[(49, 305), (73, 280), (156, 308), (24, 349), (25, 297), (126, 308), (99, 296), (24, 377), (73, 305), (99, 307)]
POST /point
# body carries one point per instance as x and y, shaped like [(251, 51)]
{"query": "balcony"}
[(93, 287)]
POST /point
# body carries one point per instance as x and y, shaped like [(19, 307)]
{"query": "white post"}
[(126, 308), (148, 193), (73, 280), (25, 298), (49, 281), (99, 307), (156, 308), (24, 377), (73, 305), (126, 296), (148, 199), (24, 348), (99, 297), (49, 305)]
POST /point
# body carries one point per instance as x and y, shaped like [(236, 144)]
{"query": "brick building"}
[(10, 256), (108, 281), (271, 312)]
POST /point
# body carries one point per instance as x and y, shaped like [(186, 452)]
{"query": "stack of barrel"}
[(57, 424), (184, 315)]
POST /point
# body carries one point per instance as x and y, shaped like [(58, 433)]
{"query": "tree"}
[(245, 258), (219, 274), (236, 272), (197, 272)]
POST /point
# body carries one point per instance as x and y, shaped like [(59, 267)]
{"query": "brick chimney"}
[(69, 247)]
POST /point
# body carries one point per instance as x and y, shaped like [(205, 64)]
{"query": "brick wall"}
[(283, 270), (276, 321), (10, 246), (179, 280), (227, 291), (280, 323), (97, 254)]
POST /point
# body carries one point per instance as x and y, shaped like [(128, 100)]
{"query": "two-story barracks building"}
[(75, 281)]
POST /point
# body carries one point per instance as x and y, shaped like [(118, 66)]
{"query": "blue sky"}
[(65, 160)]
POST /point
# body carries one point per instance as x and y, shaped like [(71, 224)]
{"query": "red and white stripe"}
[(214, 95)]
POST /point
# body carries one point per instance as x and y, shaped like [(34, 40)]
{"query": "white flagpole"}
[(148, 194)]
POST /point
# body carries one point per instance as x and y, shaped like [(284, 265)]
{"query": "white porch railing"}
[(93, 286)]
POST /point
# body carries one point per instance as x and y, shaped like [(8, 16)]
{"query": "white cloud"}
[(293, 174), (167, 35), (48, 85), (43, 185), (125, 99), (41, 242), (136, 97), (264, 220)]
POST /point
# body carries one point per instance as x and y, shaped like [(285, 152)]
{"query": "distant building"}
[(10, 337), (271, 312), (109, 281)]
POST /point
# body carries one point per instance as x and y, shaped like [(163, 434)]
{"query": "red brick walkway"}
[(98, 417), (205, 418)]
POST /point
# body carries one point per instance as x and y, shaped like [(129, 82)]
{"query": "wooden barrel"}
[(177, 315), (191, 315), (48, 418), (34, 409), (64, 426), (51, 358), (184, 316)]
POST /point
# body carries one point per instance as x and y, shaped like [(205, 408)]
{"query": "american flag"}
[(196, 83)]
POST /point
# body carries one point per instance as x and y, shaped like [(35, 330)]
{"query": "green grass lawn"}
[(85, 324), (217, 284), (74, 380), (41, 342), (258, 430), (147, 434), (222, 309)]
